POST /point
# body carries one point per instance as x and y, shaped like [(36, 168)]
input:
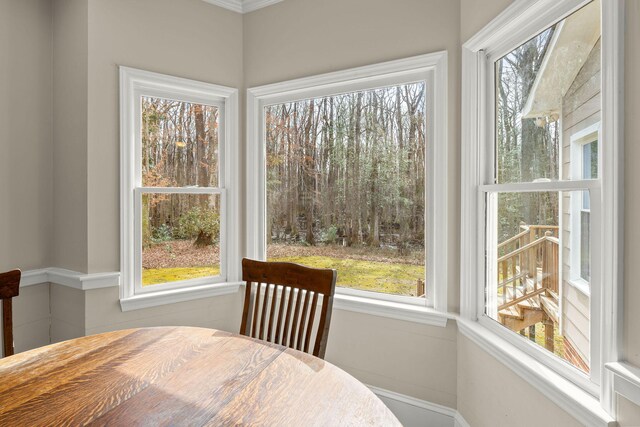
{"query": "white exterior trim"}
[(520, 21), (581, 285), (577, 142), (134, 84), (243, 6), (431, 68), (72, 279)]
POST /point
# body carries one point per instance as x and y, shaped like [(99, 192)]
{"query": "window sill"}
[(568, 396), (392, 310), (626, 380), (581, 285), (172, 296)]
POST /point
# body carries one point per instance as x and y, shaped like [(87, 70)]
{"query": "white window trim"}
[(134, 84), (519, 22), (577, 143), (431, 68)]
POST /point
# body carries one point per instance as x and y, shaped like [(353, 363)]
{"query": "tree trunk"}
[(203, 240)]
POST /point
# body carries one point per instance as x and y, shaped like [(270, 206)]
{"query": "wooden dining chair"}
[(9, 288), (281, 307)]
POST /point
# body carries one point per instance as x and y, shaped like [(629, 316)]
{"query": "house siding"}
[(580, 109)]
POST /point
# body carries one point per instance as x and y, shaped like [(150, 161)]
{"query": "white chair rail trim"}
[(72, 279)]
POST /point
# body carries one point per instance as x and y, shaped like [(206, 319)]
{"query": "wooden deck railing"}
[(528, 264)]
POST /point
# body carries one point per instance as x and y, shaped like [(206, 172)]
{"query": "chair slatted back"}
[(9, 288), (281, 301)]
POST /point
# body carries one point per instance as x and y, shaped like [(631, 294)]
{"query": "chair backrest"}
[(9, 288), (281, 307)]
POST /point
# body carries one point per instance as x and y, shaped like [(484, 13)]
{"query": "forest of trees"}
[(527, 149), (179, 149), (348, 169)]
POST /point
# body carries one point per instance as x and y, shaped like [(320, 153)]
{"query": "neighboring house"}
[(570, 94)]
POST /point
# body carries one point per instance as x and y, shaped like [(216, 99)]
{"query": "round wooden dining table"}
[(180, 376)]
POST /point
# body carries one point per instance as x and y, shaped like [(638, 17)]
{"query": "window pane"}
[(585, 235), (179, 143), (346, 186), (180, 237), (530, 270), (546, 90), (590, 160)]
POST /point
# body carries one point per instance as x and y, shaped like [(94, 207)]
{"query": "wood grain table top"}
[(180, 376)]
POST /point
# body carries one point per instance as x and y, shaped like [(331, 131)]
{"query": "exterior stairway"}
[(522, 314), (527, 291)]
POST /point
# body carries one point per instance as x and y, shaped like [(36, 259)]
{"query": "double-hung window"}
[(584, 149), (540, 201), (178, 186), (348, 171)]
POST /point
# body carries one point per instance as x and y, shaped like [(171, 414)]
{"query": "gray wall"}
[(31, 318), (26, 165), (70, 29), (26, 192)]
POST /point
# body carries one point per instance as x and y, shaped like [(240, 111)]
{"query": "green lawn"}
[(394, 278), (558, 347), (154, 276)]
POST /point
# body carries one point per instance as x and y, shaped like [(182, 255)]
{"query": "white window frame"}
[(578, 141), (431, 68), (135, 84), (589, 403)]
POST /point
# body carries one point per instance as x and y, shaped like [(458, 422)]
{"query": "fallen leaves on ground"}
[(182, 253)]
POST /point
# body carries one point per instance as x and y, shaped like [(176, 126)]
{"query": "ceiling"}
[(243, 6)]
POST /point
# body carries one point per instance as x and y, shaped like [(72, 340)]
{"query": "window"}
[(589, 171), (177, 194), (343, 166), (540, 199), (584, 148), (540, 94)]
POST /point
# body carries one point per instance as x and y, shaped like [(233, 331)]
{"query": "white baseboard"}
[(416, 412)]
